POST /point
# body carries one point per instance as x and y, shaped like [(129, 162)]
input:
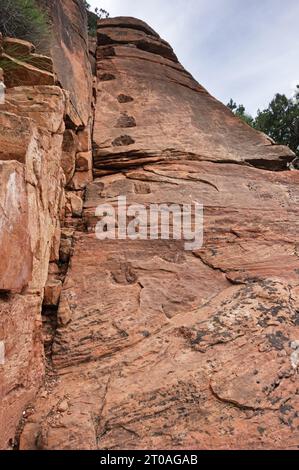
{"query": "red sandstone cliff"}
[(151, 346), (45, 164)]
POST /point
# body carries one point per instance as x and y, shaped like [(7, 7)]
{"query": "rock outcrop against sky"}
[(147, 345)]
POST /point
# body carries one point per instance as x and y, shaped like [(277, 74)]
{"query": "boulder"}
[(69, 150), (76, 204), (81, 179), (84, 161), (52, 292)]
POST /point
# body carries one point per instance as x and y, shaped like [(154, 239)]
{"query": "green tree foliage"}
[(240, 111), (24, 19), (93, 17), (280, 120)]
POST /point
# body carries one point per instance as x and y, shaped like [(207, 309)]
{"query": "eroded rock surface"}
[(70, 54), (36, 234), (175, 117), (155, 346), (32, 193), (16, 264)]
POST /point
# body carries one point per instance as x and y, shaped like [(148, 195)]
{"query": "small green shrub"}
[(24, 19), (93, 17)]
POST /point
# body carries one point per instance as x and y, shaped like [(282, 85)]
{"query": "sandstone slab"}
[(70, 54), (156, 346), (16, 259), (42, 62), (46, 105), (31, 195), (16, 136), (23, 369), (204, 129), (203, 326), (127, 22), (17, 48), (19, 73)]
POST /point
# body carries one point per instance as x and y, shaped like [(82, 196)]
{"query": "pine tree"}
[(280, 120)]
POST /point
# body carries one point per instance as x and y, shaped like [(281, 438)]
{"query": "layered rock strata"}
[(45, 164), (32, 183), (156, 346)]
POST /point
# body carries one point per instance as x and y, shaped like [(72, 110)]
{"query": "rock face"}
[(140, 343), (32, 183), (36, 117), (156, 346), (22, 66), (146, 93), (70, 53), (15, 271)]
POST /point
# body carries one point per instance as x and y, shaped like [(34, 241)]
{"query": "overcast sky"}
[(244, 49)]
